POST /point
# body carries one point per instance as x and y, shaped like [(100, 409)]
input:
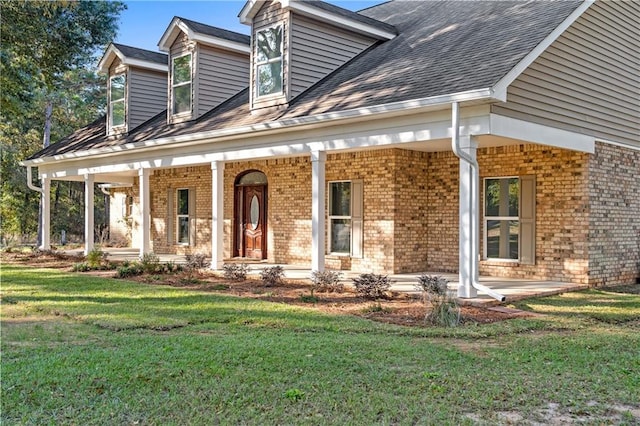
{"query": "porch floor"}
[(512, 288)]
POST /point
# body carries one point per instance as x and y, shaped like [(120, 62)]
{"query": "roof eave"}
[(249, 11), (319, 120)]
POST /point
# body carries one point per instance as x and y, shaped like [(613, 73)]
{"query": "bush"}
[(372, 286), (235, 271), (150, 263), (272, 276), (196, 261), (171, 267), (328, 281), (129, 269), (444, 307), (81, 267), (96, 258)]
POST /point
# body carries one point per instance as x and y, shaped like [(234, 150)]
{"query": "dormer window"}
[(269, 60), (117, 85), (181, 86)]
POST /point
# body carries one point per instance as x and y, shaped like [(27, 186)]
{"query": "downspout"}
[(475, 231), (30, 182)]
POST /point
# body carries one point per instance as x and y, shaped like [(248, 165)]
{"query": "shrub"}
[(196, 261), (235, 271), (81, 267), (272, 276), (328, 281), (150, 263), (129, 269), (171, 267), (372, 286), (96, 258), (444, 307)]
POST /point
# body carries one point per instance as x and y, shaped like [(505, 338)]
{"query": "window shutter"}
[(357, 230), (170, 212), (192, 217), (528, 220)]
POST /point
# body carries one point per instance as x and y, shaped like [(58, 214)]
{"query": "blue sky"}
[(144, 22)]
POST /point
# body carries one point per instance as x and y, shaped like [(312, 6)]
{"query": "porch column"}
[(46, 214), (145, 213), (469, 220), (318, 160), (89, 181), (217, 214)]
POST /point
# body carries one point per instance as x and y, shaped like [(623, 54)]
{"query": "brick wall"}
[(614, 219)]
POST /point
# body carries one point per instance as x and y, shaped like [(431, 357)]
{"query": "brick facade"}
[(587, 226)]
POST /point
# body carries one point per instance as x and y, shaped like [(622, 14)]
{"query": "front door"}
[(251, 222)]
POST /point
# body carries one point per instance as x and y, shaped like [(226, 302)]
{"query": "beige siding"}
[(318, 49), (181, 46), (588, 80), (220, 75), (147, 95)]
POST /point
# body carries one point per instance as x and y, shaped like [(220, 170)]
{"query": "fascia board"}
[(337, 20), (169, 35), (221, 43), (527, 131), (391, 109), (502, 85), (146, 64), (249, 10), (107, 58)]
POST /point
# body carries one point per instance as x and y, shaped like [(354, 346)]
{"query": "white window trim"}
[(269, 61), (331, 217), (178, 216), (173, 86), (486, 218), (123, 100)]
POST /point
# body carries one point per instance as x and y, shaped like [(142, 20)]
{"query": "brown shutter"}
[(170, 229), (357, 231), (528, 220)]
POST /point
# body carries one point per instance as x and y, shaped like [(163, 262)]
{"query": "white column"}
[(469, 221), (217, 214), (46, 214), (318, 160), (89, 180), (145, 213)]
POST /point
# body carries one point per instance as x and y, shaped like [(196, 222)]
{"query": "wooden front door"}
[(251, 218)]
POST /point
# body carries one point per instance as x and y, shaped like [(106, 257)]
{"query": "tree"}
[(49, 89)]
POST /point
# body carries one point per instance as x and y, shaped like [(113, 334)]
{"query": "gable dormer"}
[(207, 65), (136, 86), (297, 43)]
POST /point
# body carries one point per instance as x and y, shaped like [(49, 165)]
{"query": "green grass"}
[(82, 350)]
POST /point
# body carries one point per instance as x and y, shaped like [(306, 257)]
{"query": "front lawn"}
[(78, 349)]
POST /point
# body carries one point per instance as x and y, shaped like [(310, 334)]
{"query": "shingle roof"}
[(443, 47), (141, 54), (216, 32), (351, 15)]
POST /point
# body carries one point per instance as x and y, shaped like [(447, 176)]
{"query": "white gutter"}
[(472, 260), (289, 124), (30, 182)]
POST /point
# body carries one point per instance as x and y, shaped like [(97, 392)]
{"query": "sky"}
[(144, 21)]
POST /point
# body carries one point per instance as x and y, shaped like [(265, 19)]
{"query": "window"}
[(269, 61), (183, 216), (181, 72), (117, 85), (340, 217), (509, 218)]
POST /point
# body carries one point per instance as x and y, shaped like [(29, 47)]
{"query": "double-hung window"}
[(345, 217), (117, 87), (509, 219), (183, 216), (181, 84), (269, 58)]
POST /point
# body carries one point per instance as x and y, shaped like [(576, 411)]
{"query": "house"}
[(493, 137)]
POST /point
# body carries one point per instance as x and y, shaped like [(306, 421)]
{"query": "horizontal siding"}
[(220, 75), (180, 45), (318, 49), (147, 97), (588, 80)]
